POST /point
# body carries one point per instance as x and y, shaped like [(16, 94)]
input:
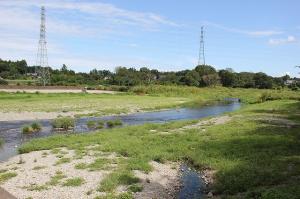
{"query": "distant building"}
[(291, 81)]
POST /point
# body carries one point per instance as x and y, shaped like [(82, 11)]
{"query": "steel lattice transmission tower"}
[(42, 68), (201, 60)]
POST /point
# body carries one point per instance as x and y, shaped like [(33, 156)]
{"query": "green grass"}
[(114, 123), (63, 161), (98, 104), (33, 128), (252, 155), (56, 179), (4, 176), (63, 123), (92, 124), (73, 182)]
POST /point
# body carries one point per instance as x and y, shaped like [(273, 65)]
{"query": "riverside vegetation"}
[(254, 155)]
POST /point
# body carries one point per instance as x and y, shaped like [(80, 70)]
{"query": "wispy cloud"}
[(257, 33), (281, 41)]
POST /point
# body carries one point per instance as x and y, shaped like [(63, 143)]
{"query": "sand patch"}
[(36, 170), (162, 182)]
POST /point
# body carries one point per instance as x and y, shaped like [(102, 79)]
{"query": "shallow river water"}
[(11, 132)]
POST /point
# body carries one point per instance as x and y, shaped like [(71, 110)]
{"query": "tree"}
[(262, 80), (205, 70), (227, 78), (210, 80), (191, 78)]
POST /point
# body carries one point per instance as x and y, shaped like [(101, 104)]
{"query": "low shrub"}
[(36, 126), (33, 128), (64, 123)]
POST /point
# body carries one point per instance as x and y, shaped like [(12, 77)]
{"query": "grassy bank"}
[(138, 98), (217, 93), (255, 155), (102, 103)]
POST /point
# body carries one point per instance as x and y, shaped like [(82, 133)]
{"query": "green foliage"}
[(63, 123), (33, 128), (95, 124), (73, 182), (6, 176), (113, 123), (135, 188)]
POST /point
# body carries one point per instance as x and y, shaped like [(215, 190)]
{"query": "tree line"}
[(200, 76)]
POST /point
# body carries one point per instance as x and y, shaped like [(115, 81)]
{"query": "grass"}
[(73, 182), (55, 180), (63, 161), (252, 155), (104, 104), (64, 123), (33, 128), (114, 123), (98, 164), (92, 124), (4, 176)]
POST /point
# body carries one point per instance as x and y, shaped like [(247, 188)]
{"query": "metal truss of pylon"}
[(201, 60), (42, 68)]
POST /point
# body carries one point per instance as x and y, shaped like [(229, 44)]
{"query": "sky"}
[(253, 36)]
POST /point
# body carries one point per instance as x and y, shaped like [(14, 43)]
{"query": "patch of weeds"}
[(95, 124), (120, 177), (113, 123), (55, 151), (135, 188), (39, 167), (62, 161), (6, 176), (74, 182), (64, 123), (81, 166), (55, 180), (113, 196), (91, 124), (34, 187), (99, 164), (33, 128)]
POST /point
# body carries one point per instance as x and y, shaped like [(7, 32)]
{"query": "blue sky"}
[(164, 34)]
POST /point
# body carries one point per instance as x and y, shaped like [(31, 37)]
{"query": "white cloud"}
[(281, 41), (258, 33)]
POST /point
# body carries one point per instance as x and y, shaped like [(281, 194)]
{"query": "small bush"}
[(36, 126), (33, 128), (65, 123), (113, 123)]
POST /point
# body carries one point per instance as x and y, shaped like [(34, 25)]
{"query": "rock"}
[(210, 194)]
